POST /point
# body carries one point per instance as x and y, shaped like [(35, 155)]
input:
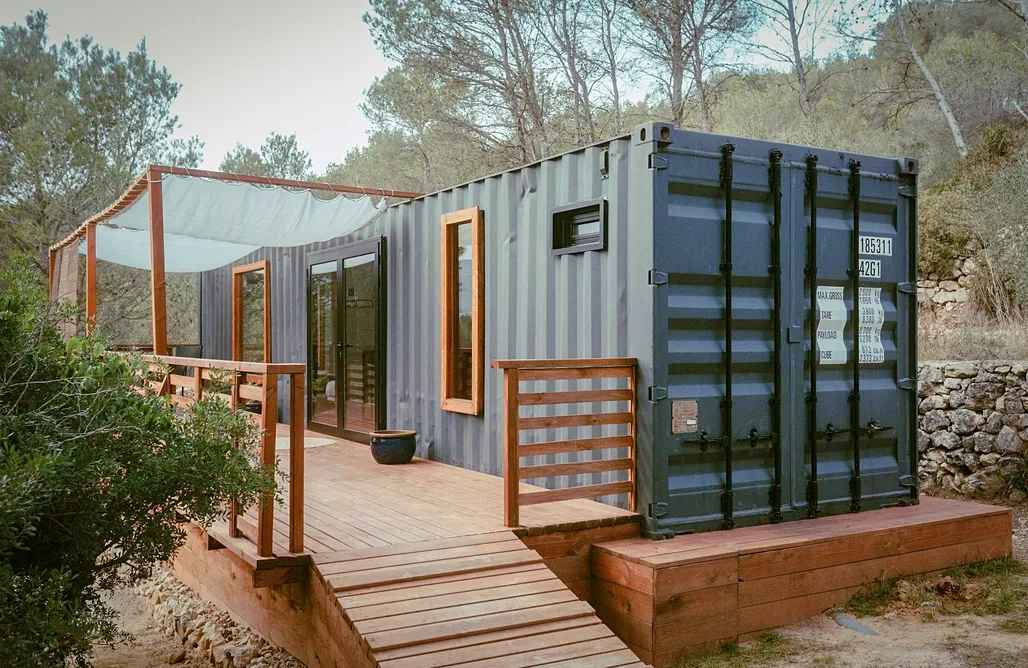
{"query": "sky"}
[(246, 68)]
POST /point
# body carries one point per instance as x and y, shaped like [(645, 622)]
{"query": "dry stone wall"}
[(947, 293), (973, 425)]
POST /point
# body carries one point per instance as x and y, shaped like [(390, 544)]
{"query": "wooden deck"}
[(685, 595), (353, 503), (412, 566)]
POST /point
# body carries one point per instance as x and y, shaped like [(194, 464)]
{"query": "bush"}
[(95, 477)]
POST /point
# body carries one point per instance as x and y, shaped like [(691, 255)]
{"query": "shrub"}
[(95, 477)]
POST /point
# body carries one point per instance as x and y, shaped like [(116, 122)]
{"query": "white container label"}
[(831, 325), (870, 268), (872, 317), (876, 246)]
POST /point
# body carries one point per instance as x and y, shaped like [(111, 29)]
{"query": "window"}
[(463, 315), (251, 312), (579, 227)]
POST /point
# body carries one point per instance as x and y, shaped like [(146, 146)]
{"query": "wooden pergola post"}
[(158, 289), (90, 278), (53, 265)]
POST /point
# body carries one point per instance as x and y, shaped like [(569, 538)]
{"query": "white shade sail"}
[(209, 223)]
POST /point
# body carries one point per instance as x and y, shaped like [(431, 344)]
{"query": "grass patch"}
[(875, 601), (996, 587), (768, 647), (1017, 624)]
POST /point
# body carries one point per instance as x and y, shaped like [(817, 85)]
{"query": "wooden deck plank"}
[(576, 653), (499, 621), (348, 581), (423, 603), (436, 653), (414, 621), (443, 584), (422, 557), (459, 541), (496, 650)]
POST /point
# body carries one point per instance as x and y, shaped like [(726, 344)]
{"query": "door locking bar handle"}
[(874, 426), (705, 441), (756, 437), (829, 432)]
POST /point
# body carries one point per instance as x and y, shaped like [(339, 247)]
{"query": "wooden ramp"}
[(481, 600)]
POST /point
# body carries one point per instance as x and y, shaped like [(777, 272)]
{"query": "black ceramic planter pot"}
[(393, 446)]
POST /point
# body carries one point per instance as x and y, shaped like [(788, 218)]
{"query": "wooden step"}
[(483, 600)]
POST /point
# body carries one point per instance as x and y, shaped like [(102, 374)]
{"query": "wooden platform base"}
[(682, 596)]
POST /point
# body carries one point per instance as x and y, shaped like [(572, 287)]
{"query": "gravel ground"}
[(170, 624)]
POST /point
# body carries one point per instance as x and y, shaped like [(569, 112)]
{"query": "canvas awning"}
[(211, 222), (174, 219)]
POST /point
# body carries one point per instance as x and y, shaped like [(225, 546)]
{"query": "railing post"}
[(296, 420), (631, 433), (510, 447), (269, 423), (233, 507)]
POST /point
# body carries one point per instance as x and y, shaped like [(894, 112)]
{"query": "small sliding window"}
[(251, 312), (579, 227), (463, 311)]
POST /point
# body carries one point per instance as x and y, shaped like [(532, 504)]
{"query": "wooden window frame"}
[(448, 236), (237, 308)]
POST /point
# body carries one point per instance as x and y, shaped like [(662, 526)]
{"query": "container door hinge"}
[(908, 481), (658, 277), (907, 191), (906, 384), (657, 161), (907, 288), (656, 393), (658, 509)]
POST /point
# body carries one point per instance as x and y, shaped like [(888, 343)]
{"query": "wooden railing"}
[(517, 371), (248, 383)]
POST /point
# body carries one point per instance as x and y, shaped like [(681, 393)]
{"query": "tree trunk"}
[(701, 88), (797, 57), (607, 36), (940, 96), (677, 80)]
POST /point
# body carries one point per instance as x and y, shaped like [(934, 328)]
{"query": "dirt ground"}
[(906, 642), (149, 646)]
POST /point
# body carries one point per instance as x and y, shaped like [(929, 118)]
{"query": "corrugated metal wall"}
[(537, 305)]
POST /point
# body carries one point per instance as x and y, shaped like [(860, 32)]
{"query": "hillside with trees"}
[(485, 85)]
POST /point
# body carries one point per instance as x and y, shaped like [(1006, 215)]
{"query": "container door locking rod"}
[(775, 159), (727, 502), (855, 492), (813, 354)]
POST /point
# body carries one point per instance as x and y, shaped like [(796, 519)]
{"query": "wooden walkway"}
[(481, 600)]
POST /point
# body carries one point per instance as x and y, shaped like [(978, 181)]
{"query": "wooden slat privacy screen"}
[(256, 382), (517, 371)]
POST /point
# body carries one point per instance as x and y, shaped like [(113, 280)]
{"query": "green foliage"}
[(279, 157), (96, 477), (77, 123)]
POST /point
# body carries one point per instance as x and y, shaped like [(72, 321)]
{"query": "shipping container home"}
[(701, 256), (708, 332)]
